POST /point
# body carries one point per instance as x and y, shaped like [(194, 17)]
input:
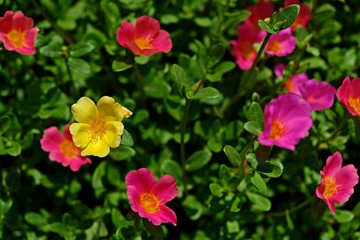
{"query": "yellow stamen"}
[(97, 129), (355, 104), (17, 38), (149, 202), (274, 46), (290, 85), (68, 149), (143, 43), (277, 129), (330, 187)]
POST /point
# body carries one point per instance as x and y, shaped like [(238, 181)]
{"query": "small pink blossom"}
[(261, 11), (337, 183), (281, 44), (320, 95), (243, 48), (145, 38), (304, 15), (18, 33), (349, 95), (287, 119), (294, 83), (62, 149), (148, 197)]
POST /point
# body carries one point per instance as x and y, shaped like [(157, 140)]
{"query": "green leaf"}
[(141, 60), (271, 168), (79, 65), (122, 153), (259, 183), (206, 93), (256, 114), (198, 160), (288, 15), (216, 189), (4, 123), (180, 77), (260, 203), (343, 216), (253, 127), (126, 139), (81, 49), (219, 70), (52, 51), (265, 27), (233, 156), (120, 66), (157, 89), (35, 219), (193, 207), (216, 52)]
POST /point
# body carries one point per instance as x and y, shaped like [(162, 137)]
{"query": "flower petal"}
[(165, 189), (99, 148), (146, 27), (109, 109), (113, 133), (134, 197), (80, 134), (84, 111), (333, 165), (167, 215), (143, 179), (51, 139), (162, 42)]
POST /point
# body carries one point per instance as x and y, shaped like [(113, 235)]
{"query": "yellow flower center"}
[(143, 43), (68, 149), (274, 46), (97, 129), (149, 202), (355, 104), (16, 38), (277, 129), (330, 187)]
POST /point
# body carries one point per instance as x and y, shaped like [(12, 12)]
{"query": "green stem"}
[(291, 210), (182, 143), (339, 127), (246, 77), (140, 82)]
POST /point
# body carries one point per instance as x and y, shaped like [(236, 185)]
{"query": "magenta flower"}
[(17, 32), (281, 44), (243, 48), (320, 95), (62, 149), (148, 197), (294, 83), (337, 183), (287, 119), (349, 95), (261, 11), (304, 15), (145, 38)]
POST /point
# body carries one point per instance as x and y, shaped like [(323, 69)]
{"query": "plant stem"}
[(182, 143), (140, 82), (246, 77), (291, 210), (339, 127)]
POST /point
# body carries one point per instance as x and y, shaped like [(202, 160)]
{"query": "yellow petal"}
[(127, 112), (113, 133), (110, 110), (80, 134), (98, 148), (84, 111)]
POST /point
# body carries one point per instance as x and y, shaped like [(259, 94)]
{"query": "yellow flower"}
[(98, 127)]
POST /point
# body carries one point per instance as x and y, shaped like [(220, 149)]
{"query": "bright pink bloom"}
[(349, 95), (292, 84), (148, 197), (337, 183), (281, 44), (145, 38), (304, 14), (62, 148), (320, 95), (17, 32), (243, 48), (287, 119), (261, 11)]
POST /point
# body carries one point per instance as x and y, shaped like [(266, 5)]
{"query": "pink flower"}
[(261, 11), (337, 183), (304, 14), (146, 38), (62, 149), (287, 119), (243, 48), (294, 83), (17, 32), (320, 95), (349, 95), (148, 197), (281, 44)]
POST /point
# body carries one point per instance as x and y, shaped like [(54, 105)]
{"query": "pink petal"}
[(279, 69), (167, 215), (320, 95), (165, 189), (51, 139), (133, 194), (162, 42), (22, 23), (333, 165), (6, 23), (77, 162), (57, 156), (143, 179), (146, 27), (153, 218), (125, 33)]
